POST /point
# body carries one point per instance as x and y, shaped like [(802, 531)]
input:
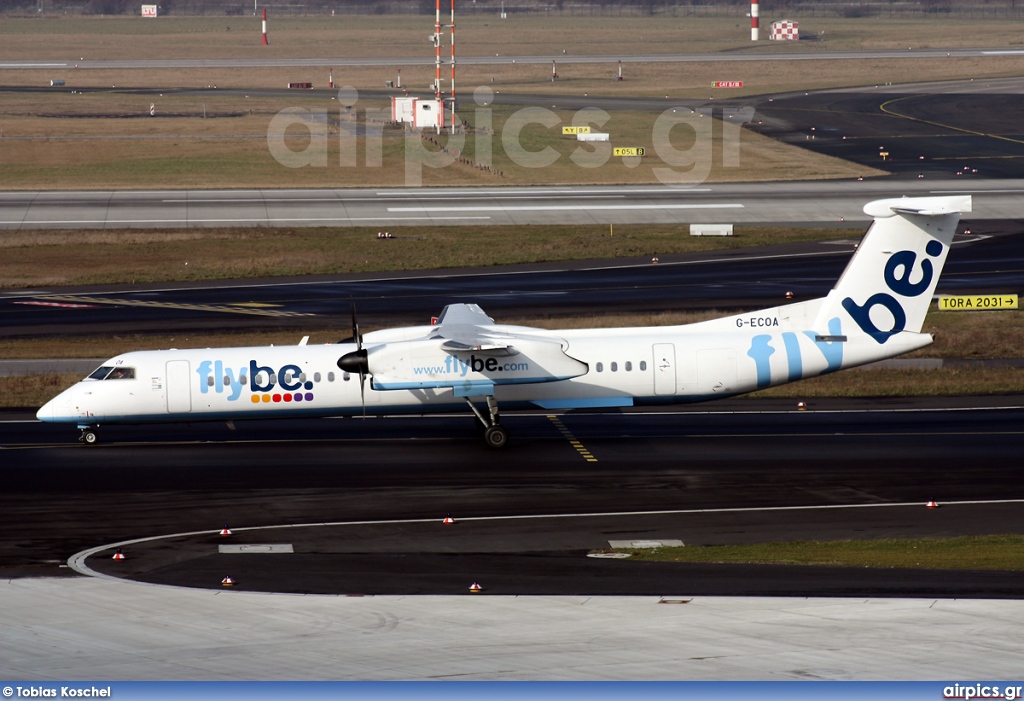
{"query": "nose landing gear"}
[(88, 435)]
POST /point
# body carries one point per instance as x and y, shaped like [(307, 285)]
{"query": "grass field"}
[(995, 552), (48, 152), (55, 147), (35, 258), (403, 36)]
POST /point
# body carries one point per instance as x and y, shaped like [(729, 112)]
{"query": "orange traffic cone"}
[(225, 531), (227, 582), (932, 505), (475, 588), (448, 520), (118, 555)]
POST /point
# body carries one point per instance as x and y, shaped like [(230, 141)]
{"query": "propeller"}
[(357, 361)]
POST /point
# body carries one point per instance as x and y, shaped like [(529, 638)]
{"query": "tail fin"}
[(889, 282)]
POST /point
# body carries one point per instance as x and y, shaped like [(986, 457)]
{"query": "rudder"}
[(888, 284)]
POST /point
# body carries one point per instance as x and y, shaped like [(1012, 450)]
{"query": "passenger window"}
[(345, 376), (600, 367), (316, 377), (100, 372), (242, 380), (273, 378), (629, 366), (209, 381), (123, 373), (302, 377), (227, 380), (643, 364), (615, 367), (330, 377)]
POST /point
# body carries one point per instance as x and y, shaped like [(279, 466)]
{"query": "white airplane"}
[(875, 311)]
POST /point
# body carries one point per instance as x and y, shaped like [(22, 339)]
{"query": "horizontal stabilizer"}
[(921, 206)]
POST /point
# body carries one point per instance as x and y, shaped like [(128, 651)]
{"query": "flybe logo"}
[(261, 380), (903, 262)]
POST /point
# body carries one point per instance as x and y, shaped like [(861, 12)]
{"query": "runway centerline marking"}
[(77, 562)]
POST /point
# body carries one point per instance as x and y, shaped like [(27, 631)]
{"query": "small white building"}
[(420, 113), (785, 30)]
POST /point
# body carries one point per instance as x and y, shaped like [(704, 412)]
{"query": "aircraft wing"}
[(462, 351), (465, 328)]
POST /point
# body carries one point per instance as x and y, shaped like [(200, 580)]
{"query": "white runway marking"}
[(257, 200), (564, 208), (227, 221)]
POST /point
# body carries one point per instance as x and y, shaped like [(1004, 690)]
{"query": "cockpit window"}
[(121, 373), (100, 372)]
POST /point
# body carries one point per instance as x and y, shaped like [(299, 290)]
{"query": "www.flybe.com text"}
[(457, 366)]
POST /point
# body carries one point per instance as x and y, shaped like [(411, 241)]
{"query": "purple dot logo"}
[(309, 396)]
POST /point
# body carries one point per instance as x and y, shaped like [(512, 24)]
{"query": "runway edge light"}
[(448, 520), (118, 555), (225, 531)]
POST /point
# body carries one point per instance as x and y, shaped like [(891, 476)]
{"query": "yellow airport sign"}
[(630, 151), (974, 303), (575, 130)]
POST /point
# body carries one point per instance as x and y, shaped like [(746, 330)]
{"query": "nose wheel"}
[(88, 436), (495, 435)]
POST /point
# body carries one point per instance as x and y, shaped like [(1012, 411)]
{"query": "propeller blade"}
[(355, 327), (362, 391)]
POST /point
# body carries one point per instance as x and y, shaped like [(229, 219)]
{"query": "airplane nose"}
[(58, 408), (45, 412)]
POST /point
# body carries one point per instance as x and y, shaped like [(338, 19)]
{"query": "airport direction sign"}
[(628, 151), (727, 84), (575, 130), (974, 303)]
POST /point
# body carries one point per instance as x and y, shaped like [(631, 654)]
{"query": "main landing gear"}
[(88, 435), (495, 435)]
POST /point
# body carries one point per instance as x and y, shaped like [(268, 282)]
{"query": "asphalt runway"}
[(957, 130), (988, 260), (527, 516), (891, 54)]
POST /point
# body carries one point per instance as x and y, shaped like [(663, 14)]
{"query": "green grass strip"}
[(995, 552)]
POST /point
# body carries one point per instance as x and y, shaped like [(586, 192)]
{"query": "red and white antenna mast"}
[(264, 42), (437, 63), (452, 96), (755, 22)]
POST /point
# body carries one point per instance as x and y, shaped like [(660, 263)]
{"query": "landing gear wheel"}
[(89, 437), (496, 436)]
